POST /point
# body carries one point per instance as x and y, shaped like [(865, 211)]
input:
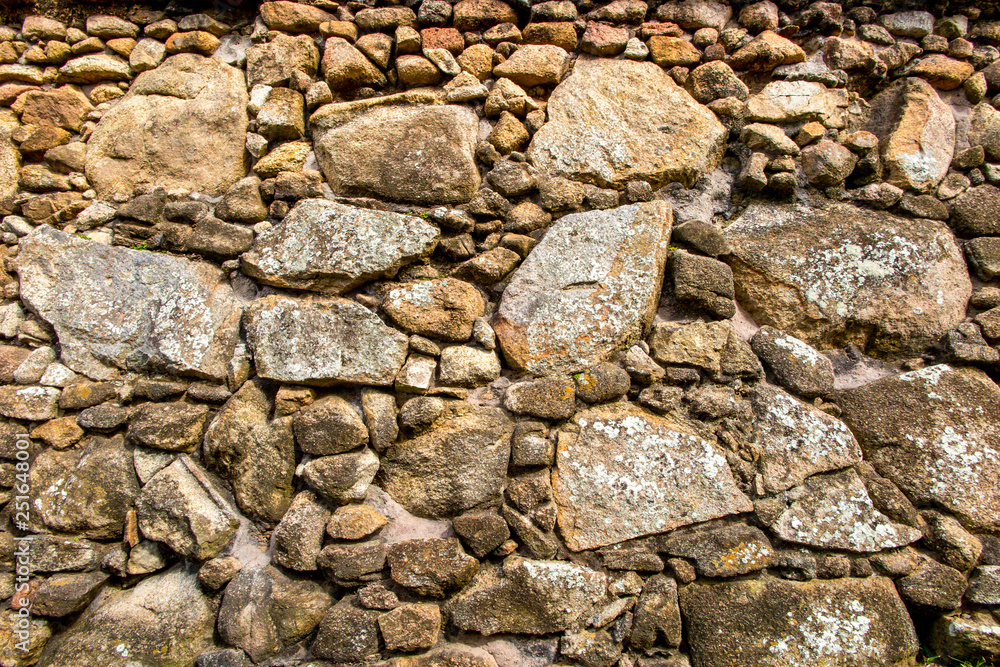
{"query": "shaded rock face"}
[(590, 287), (770, 621), (182, 125), (614, 121), (629, 474), (330, 247), (114, 308), (839, 274), (933, 432), (418, 154)]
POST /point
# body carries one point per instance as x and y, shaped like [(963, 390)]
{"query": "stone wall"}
[(496, 335)]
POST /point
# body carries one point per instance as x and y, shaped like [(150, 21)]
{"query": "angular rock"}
[(703, 282), (457, 465), (933, 432), (974, 212), (293, 16), (91, 294), (298, 537), (482, 532), (545, 398), (615, 121), (796, 366), (183, 508), (322, 342), (325, 246), (412, 153), (721, 550), (181, 125), (783, 623), (916, 133), (832, 274), (66, 107), (805, 101), (354, 522), (765, 52), (29, 403), (695, 14), (443, 308), (345, 68), (411, 627), (628, 474), (64, 594), (656, 614), (347, 633), (174, 427), (468, 367), (967, 636), (933, 585), (342, 478), (275, 62), (431, 567), (534, 65), (526, 597), (558, 316)]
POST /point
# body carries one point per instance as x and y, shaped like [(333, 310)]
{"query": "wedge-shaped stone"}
[(526, 597), (423, 154), (323, 245), (629, 474), (793, 101), (322, 342), (459, 464), (10, 160), (934, 433), (832, 274), (776, 623), (588, 289), (117, 308), (615, 121)]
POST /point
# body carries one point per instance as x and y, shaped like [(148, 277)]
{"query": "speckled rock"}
[(443, 308), (933, 432), (322, 342), (797, 367), (615, 121), (326, 246), (721, 550), (413, 153), (587, 289), (621, 449), (91, 293), (791, 101), (780, 623), (832, 274)]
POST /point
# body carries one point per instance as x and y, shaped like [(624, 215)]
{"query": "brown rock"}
[(670, 52), (477, 15), (346, 68), (293, 16), (765, 52), (441, 308)]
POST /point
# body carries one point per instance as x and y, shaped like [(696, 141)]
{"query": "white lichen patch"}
[(798, 349), (837, 629)]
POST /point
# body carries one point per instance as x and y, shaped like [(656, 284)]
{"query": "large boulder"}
[(322, 342), (421, 154), (780, 623), (615, 121), (458, 464), (916, 132), (181, 125), (323, 245), (112, 307), (588, 289), (935, 433), (628, 474), (833, 274)]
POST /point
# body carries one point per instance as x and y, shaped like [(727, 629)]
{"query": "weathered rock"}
[(765, 52), (174, 427), (448, 655), (890, 285), (410, 627), (443, 308), (345, 68), (181, 125), (656, 614), (791, 101), (526, 597), (602, 382), (347, 633), (954, 546), (827, 163), (546, 398), (984, 129), (342, 477), (933, 433), (695, 14), (615, 121), (64, 594), (183, 508), (329, 426), (721, 550), (621, 449), (715, 80), (86, 490), (419, 153), (253, 452), (604, 302), (534, 65), (703, 282), (298, 537), (974, 212), (797, 367), (66, 107), (465, 366), (431, 567), (275, 62), (354, 522), (29, 403), (783, 623), (91, 293), (984, 585), (293, 16), (966, 636), (352, 562), (322, 342), (10, 162), (916, 133), (482, 532), (331, 247), (933, 585), (457, 465)]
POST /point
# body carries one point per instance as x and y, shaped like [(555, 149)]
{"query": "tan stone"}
[(533, 65), (346, 68), (669, 52), (66, 107), (442, 308), (561, 34), (293, 16), (354, 522), (942, 72), (765, 52)]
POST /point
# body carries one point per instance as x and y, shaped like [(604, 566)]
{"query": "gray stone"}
[(342, 477), (468, 367), (974, 212), (29, 403), (933, 585), (322, 342), (92, 294), (657, 614), (721, 549), (628, 474), (298, 537), (64, 594), (331, 247), (545, 398), (984, 585), (347, 633), (589, 288), (703, 282), (615, 121), (797, 366)]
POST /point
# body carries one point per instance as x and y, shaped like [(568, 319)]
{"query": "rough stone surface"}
[(721, 550), (588, 288), (615, 121), (329, 426), (431, 567), (663, 478), (444, 308), (798, 367), (889, 285)]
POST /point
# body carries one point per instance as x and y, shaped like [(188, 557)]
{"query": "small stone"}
[(410, 627), (342, 478), (431, 567), (546, 398), (468, 367), (933, 585), (354, 522), (329, 426), (298, 537)]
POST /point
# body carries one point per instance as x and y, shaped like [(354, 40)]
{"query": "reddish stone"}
[(442, 38)]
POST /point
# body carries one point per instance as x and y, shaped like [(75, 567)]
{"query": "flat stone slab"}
[(331, 247), (777, 623), (115, 308), (628, 474), (934, 433), (833, 274), (422, 154), (322, 342), (615, 121), (589, 288)]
